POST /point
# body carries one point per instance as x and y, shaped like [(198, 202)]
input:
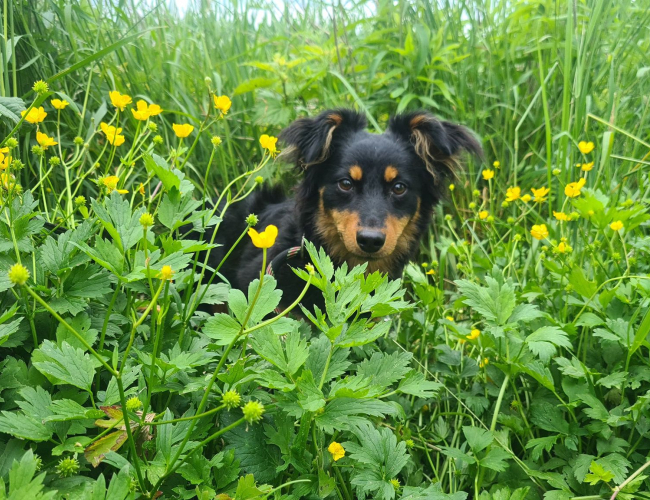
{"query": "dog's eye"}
[(345, 185), (399, 188)]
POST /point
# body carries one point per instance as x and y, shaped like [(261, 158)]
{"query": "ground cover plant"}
[(511, 360)]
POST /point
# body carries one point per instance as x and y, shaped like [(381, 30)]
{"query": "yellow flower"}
[(483, 363), (268, 143), (449, 318), (142, 112), (483, 214), (616, 225), (337, 451), (35, 115), (7, 181), (572, 190), (563, 247), (473, 335), (154, 110), (166, 273), (540, 194), (141, 189), (526, 198), (430, 272), (561, 216), (513, 193), (59, 104), (488, 174), (586, 167), (496, 164), (452, 187), (539, 231), (112, 134), (111, 184), (222, 103), (118, 100), (266, 238), (4, 161), (183, 130), (44, 141), (585, 147)]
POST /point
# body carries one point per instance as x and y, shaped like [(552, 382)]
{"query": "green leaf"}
[(247, 489), (384, 369), (155, 165), (310, 397), (96, 452), (415, 384), (598, 473), (66, 364), (23, 484), (221, 328), (81, 323), (549, 417), (477, 438), (23, 426), (455, 453), (341, 413), (12, 107), (544, 341), (67, 409), (496, 460), (496, 302), (581, 284), (253, 84)]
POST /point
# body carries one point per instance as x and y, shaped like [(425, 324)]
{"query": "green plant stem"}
[(129, 434), (71, 330), (185, 419)]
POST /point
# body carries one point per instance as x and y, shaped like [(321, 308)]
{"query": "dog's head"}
[(368, 197)]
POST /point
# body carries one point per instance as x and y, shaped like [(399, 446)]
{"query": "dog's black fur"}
[(363, 198)]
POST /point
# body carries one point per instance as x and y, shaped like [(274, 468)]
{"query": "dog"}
[(363, 197)]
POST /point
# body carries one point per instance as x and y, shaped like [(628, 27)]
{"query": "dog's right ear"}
[(309, 140)]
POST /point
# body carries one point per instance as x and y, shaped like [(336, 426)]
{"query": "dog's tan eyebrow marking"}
[(390, 173), (356, 173)]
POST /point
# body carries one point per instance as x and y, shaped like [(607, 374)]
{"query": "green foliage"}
[(504, 367)]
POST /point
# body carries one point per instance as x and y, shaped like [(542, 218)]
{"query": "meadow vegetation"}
[(510, 362)]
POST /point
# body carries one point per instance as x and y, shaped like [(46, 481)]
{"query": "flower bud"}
[(505, 204), (146, 220), (472, 206), (252, 220), (54, 161), (556, 171), (38, 150), (452, 187), (253, 411), (259, 179), (216, 140), (18, 274), (158, 140), (67, 467), (40, 87), (510, 220), (133, 403), (448, 217), (80, 201), (11, 143), (78, 141), (231, 399), (152, 126), (476, 193)]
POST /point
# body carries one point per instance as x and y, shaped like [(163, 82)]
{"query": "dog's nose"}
[(370, 241)]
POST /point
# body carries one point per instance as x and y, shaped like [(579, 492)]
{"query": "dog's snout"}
[(370, 240)]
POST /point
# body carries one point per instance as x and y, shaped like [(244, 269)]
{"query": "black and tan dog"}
[(363, 198)]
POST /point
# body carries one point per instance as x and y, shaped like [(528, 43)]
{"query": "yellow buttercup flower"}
[(561, 216), (266, 238), (166, 273), (337, 451), (59, 104), (474, 334), (563, 247), (112, 134), (449, 318), (141, 189), (496, 164), (430, 272), (540, 194), (119, 100), (483, 363), (539, 231), (586, 167), (488, 174), (4, 161), (111, 184), (142, 111), (585, 147), (44, 140), (35, 115), (154, 110), (572, 190), (483, 214), (616, 225), (513, 193), (526, 198), (222, 103), (182, 130), (268, 142)]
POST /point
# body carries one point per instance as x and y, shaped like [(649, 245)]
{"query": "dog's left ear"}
[(309, 141), (439, 144)]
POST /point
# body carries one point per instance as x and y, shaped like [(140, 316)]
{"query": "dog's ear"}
[(439, 144), (309, 140)]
